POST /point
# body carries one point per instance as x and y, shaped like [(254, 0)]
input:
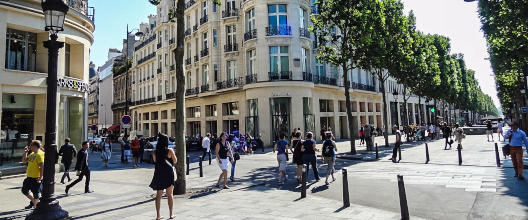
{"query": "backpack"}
[(328, 148)]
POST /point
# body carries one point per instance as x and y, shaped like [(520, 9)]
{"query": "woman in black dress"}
[(164, 159), (297, 154)]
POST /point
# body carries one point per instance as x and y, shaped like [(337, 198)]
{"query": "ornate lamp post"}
[(48, 208), (395, 95), (138, 34)]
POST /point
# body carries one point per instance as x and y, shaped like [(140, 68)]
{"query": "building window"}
[(173, 84), (215, 69), (204, 9), (304, 59), (230, 108), (164, 114), (250, 20), (205, 74), (160, 87), (326, 105), (309, 120), (319, 68), (146, 116), (214, 7), (154, 115), (166, 59), (167, 89), (302, 18), (193, 112), (277, 15), (280, 116), (252, 118), (21, 50), (215, 38), (204, 40), (279, 60), (67, 60), (231, 35), (231, 70), (210, 111), (251, 57)]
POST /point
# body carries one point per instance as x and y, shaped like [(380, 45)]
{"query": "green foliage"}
[(119, 66)]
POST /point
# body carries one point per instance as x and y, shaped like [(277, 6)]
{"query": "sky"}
[(455, 19)]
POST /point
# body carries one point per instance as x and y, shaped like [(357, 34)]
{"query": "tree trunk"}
[(385, 119), (351, 131), (180, 184)]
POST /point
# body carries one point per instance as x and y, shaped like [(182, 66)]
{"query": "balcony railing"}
[(148, 57), (188, 61), (230, 13), (282, 30), (171, 41), (204, 19), (283, 75), (196, 58), (307, 77), (192, 91), (172, 67), (144, 43), (204, 88), (195, 28), (250, 79), (187, 32), (304, 32), (189, 4), (204, 52), (231, 47), (159, 70), (252, 34), (82, 7), (158, 46), (230, 83), (361, 86), (170, 95)]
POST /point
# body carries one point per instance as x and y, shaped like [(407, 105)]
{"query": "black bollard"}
[(1, 159), (497, 158), (459, 148), (346, 198), (404, 209), (201, 170), (303, 180), (209, 158), (399, 153), (426, 153), (377, 155), (188, 161)]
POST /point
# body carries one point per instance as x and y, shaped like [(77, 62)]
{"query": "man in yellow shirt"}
[(34, 157)]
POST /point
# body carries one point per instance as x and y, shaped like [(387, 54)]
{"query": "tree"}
[(339, 28)]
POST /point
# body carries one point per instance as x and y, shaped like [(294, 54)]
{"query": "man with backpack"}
[(328, 155)]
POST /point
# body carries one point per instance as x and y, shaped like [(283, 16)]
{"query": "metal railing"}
[(304, 32), (282, 75), (204, 52), (252, 34), (195, 28), (158, 46), (187, 32), (282, 30), (148, 57), (230, 13), (171, 41), (250, 79), (189, 4), (196, 58), (231, 47), (159, 70), (144, 43), (172, 67), (307, 77), (204, 19), (204, 88), (188, 61), (192, 91)]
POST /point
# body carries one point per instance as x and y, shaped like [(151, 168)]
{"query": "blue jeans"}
[(233, 165), (311, 159)]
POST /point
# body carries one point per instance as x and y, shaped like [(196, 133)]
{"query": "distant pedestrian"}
[(34, 157), (459, 135), (500, 125), (297, 157), (67, 152), (447, 134), (164, 176), (222, 151), (423, 128), (328, 155), (489, 130), (206, 147), (249, 143), (134, 146), (361, 136), (126, 150), (368, 137), (517, 139), (282, 148), (82, 169), (437, 131), (235, 156), (397, 144), (142, 145), (309, 158), (106, 152)]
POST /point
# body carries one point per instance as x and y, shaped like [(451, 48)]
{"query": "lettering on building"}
[(73, 84)]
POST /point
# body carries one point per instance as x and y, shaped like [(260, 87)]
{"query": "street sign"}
[(126, 126), (126, 119), (523, 109)]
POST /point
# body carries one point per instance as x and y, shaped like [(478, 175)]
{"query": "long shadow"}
[(111, 210), (12, 212)]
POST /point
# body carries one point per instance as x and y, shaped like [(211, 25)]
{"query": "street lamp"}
[(48, 207), (138, 34)]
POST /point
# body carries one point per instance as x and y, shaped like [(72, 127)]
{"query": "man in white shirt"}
[(499, 129), (206, 145)]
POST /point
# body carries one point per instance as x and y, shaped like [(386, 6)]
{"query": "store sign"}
[(73, 84)]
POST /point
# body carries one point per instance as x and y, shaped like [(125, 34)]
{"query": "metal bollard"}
[(377, 155), (459, 148), (346, 194), (201, 170), (404, 209), (426, 153), (497, 158), (1, 159), (303, 180), (188, 161)]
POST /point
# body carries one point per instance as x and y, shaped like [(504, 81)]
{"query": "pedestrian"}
[(82, 169), (164, 176), (67, 152), (489, 130), (517, 138), (34, 157), (459, 135), (282, 148), (142, 145), (235, 156), (106, 151), (500, 125), (397, 144), (431, 131), (297, 155), (361, 136), (134, 146), (309, 148), (447, 133), (328, 155), (206, 147), (222, 150), (126, 150), (368, 137), (437, 131), (249, 143), (422, 129)]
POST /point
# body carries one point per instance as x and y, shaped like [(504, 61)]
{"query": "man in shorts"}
[(34, 157), (328, 155)]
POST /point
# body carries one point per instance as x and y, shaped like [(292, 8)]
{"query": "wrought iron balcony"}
[(144, 43), (187, 32), (230, 13), (188, 61), (148, 57), (361, 86), (204, 19), (231, 47), (159, 98), (195, 28), (82, 7), (282, 30), (282, 75), (204, 52), (307, 77), (304, 32), (172, 67), (204, 88), (192, 91), (159, 70), (158, 46), (171, 41), (170, 95), (196, 58), (189, 4), (252, 34), (250, 79), (230, 83)]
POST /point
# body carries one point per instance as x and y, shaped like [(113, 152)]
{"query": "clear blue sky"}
[(111, 18)]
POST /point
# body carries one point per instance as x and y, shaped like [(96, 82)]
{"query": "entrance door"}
[(280, 117), (343, 123)]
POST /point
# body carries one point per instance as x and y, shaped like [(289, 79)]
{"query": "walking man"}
[(34, 157), (489, 130), (499, 130), (82, 169), (397, 144), (206, 146), (517, 140), (447, 134), (67, 151)]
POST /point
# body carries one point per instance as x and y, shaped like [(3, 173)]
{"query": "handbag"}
[(506, 150), (236, 156)]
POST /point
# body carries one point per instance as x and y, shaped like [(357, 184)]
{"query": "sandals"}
[(161, 217)]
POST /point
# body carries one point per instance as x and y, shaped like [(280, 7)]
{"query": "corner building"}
[(251, 67)]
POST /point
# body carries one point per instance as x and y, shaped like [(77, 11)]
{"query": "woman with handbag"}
[(164, 176), (459, 134), (222, 150), (517, 139), (106, 151), (234, 158), (282, 148)]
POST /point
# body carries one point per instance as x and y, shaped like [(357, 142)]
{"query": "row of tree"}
[(377, 36), (505, 26)]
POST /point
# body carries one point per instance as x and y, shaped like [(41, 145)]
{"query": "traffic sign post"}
[(125, 123), (523, 109)]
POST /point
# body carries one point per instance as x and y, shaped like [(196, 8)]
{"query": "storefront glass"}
[(280, 115), (17, 127)]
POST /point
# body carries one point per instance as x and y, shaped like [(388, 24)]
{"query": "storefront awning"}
[(114, 128)]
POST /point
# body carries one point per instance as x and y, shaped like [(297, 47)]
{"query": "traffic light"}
[(433, 110)]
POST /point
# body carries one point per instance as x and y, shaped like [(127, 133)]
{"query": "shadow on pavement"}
[(111, 210)]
